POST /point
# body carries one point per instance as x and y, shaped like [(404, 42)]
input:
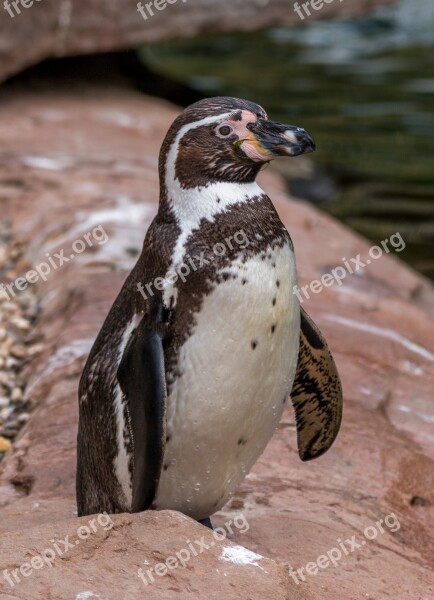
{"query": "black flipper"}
[(141, 375), (316, 393)]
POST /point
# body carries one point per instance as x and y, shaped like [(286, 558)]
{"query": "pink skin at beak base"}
[(250, 145)]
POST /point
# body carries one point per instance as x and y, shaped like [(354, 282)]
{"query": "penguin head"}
[(226, 139)]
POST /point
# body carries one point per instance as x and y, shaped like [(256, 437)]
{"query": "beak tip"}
[(299, 149), (300, 142)]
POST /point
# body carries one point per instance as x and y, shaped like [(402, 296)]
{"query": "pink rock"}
[(379, 325)]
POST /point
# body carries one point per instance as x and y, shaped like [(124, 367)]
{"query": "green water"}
[(364, 90)]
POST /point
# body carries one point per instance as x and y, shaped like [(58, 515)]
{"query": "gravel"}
[(17, 347)]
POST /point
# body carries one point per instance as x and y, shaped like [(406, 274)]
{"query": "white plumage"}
[(237, 368)]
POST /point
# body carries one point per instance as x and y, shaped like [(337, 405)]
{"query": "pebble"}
[(11, 363), (17, 343), (17, 394), (5, 413), (20, 323), (35, 350), (12, 431), (8, 307), (5, 444), (18, 351)]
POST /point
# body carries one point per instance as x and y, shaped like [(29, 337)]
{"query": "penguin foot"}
[(207, 523)]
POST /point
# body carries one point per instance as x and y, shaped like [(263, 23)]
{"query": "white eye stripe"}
[(201, 123), (173, 152)]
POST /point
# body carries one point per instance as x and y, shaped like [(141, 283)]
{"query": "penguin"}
[(206, 341)]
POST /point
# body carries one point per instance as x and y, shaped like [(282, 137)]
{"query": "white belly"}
[(237, 370)]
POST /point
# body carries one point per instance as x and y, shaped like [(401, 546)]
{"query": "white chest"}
[(237, 370)]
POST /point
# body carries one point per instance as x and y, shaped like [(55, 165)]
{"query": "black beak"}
[(272, 140)]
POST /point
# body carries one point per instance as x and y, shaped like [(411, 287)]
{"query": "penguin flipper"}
[(141, 375), (316, 394)]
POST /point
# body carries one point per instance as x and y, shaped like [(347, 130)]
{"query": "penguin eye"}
[(225, 130)]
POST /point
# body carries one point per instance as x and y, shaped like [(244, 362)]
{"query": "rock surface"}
[(50, 28), (73, 161), (57, 559)]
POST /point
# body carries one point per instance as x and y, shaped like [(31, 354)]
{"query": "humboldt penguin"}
[(206, 341)]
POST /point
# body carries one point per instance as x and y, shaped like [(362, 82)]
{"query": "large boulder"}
[(356, 523), (51, 28)]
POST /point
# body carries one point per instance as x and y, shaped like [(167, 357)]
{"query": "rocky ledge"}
[(357, 523), (33, 30)]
